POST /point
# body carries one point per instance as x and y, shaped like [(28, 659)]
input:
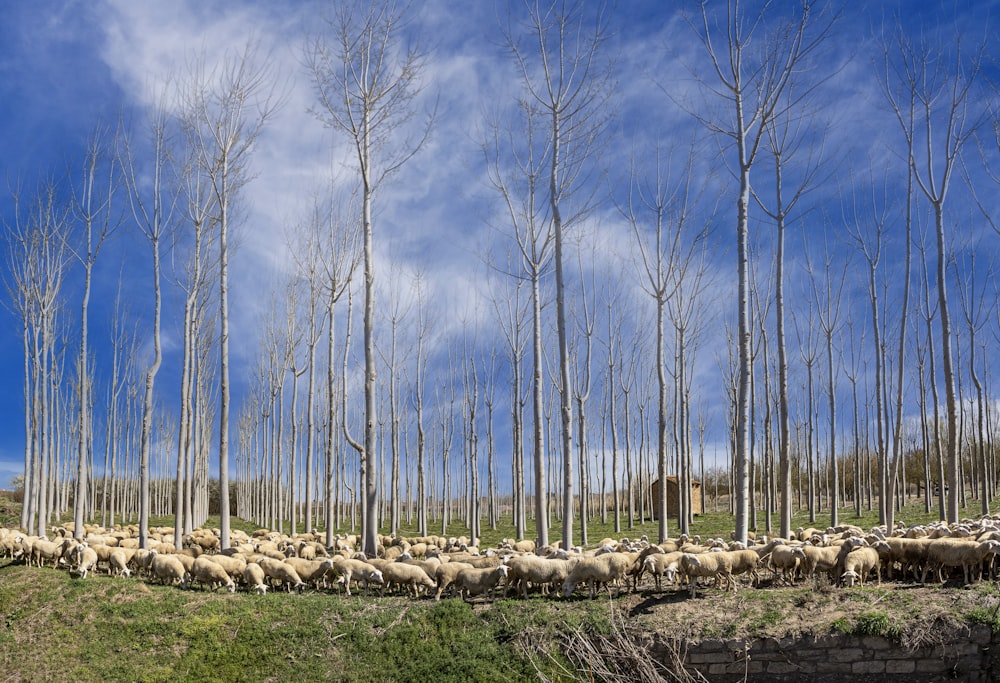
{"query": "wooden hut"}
[(673, 504)]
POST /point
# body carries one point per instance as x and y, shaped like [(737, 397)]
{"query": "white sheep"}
[(348, 570), (408, 575), (445, 575), (168, 569), (253, 577), (310, 571), (43, 550), (233, 564), (83, 558), (278, 570), (785, 561), (478, 580), (118, 563), (663, 565), (720, 566), (967, 554), (537, 571), (858, 564), (211, 574), (599, 570)]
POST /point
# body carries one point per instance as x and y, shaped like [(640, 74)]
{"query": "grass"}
[(106, 629)]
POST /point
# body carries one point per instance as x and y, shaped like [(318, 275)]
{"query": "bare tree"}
[(365, 82), (752, 71), (94, 208), (564, 74), (227, 108), (153, 215), (933, 98), (659, 209), (828, 300), (36, 265)]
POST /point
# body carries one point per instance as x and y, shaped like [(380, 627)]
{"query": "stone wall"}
[(966, 655)]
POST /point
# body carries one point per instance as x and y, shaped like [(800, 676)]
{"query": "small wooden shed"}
[(673, 504)]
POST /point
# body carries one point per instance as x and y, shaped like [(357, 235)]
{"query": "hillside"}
[(54, 626)]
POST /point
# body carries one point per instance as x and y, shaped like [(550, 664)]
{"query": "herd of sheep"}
[(432, 565)]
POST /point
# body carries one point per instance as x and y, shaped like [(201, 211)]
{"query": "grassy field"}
[(53, 626)]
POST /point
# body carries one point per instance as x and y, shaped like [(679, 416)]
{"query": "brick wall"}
[(966, 655)]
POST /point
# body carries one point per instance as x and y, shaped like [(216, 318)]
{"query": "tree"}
[(658, 209), (365, 83), (94, 209), (564, 75), (227, 107), (752, 72), (930, 94), (36, 265)]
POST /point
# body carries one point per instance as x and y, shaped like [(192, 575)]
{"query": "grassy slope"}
[(55, 627)]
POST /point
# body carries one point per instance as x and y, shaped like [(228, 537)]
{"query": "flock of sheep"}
[(437, 566)]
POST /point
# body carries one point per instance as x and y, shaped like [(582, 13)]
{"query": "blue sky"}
[(69, 65)]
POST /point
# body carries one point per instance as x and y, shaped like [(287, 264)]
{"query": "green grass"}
[(106, 629)]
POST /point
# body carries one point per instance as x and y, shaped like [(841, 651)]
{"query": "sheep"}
[(969, 555), (910, 553), (185, 560), (83, 558), (721, 566), (253, 577), (211, 574), (445, 575), (476, 581), (525, 569), (785, 561), (350, 569), (602, 569), (663, 565), (168, 569), (140, 559), (44, 549), (232, 564), (520, 546), (824, 559), (311, 571), (118, 563), (403, 574), (858, 565), (278, 570)]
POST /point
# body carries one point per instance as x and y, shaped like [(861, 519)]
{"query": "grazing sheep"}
[(599, 570), (967, 554), (408, 575), (253, 577), (537, 571), (663, 565), (278, 570), (824, 559), (311, 571), (445, 575), (858, 564), (233, 564), (118, 563), (478, 580), (785, 561), (520, 546), (348, 570), (168, 569), (186, 560), (211, 574), (83, 558)]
